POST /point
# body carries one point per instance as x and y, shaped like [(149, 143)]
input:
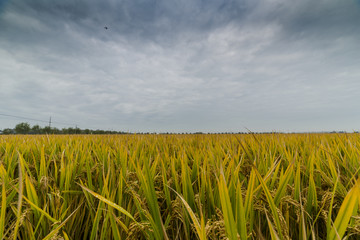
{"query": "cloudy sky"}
[(181, 65)]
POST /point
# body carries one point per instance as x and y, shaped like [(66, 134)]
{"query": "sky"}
[(181, 65)]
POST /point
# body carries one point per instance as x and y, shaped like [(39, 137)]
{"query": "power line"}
[(34, 119), (26, 118)]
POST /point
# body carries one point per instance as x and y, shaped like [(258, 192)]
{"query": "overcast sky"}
[(182, 65)]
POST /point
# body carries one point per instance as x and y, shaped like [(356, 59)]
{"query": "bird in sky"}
[(106, 27)]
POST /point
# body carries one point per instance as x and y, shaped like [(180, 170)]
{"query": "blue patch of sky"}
[(3, 5)]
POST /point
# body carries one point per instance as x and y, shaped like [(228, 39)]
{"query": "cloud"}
[(182, 65)]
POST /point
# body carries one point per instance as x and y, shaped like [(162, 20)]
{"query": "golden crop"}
[(275, 186)]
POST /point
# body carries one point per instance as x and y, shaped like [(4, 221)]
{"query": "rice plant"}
[(273, 186)]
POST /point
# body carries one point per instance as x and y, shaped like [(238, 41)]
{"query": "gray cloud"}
[(182, 65)]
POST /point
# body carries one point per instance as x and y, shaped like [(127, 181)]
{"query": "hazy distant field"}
[(180, 187)]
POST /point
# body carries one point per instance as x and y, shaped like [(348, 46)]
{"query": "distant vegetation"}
[(25, 128)]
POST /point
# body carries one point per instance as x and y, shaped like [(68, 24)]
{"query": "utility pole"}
[(50, 122)]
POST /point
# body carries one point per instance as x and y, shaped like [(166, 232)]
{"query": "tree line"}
[(26, 128)]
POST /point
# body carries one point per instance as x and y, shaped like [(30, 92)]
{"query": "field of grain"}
[(275, 186)]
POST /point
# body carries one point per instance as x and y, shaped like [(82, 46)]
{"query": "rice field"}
[(273, 186)]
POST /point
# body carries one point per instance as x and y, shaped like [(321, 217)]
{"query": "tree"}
[(8, 131), (47, 129), (36, 129), (22, 128), (71, 130), (55, 130)]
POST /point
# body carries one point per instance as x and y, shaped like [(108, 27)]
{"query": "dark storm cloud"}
[(167, 21), (135, 17), (182, 65), (321, 17)]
